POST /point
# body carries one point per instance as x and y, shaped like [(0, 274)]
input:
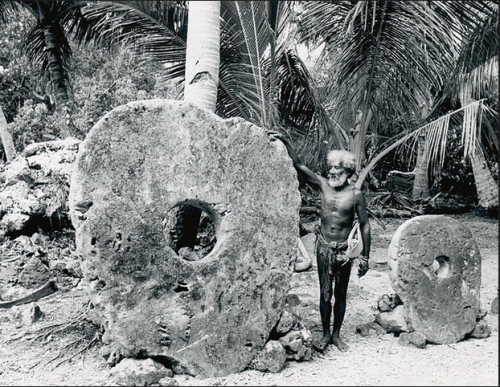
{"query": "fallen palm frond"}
[(375, 217), (48, 288), (59, 327), (89, 334), (86, 345)]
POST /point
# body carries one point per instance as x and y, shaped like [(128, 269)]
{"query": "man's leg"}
[(325, 297), (340, 292)]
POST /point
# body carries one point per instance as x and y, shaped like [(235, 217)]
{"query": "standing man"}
[(339, 202)]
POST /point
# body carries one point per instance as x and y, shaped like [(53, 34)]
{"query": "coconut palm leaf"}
[(388, 56), (435, 143), (476, 70), (436, 138), (47, 45), (248, 28), (159, 36), (479, 81)]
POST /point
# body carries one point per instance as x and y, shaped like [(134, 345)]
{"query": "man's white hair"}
[(345, 158)]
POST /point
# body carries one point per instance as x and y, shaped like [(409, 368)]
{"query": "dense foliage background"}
[(102, 76), (100, 80)]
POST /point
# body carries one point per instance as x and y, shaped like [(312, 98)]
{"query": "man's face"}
[(337, 175)]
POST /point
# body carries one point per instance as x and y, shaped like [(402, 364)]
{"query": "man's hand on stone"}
[(274, 135)]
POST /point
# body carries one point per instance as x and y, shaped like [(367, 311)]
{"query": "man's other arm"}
[(309, 176)]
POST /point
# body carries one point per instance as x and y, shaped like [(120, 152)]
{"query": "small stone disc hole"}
[(441, 266)]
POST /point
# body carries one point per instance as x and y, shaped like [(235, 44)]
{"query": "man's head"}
[(341, 166)]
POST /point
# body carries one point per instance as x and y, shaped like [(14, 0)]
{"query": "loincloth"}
[(329, 256), (334, 252)]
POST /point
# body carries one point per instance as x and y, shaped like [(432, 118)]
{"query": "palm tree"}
[(391, 59), (47, 43)]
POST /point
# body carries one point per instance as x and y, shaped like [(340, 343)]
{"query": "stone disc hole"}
[(441, 266), (190, 230)]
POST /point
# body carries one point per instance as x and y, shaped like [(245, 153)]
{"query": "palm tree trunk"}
[(51, 30), (421, 183), (487, 189), (202, 54), (200, 88), (6, 137)]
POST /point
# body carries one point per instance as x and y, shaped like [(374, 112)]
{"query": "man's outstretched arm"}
[(310, 176)]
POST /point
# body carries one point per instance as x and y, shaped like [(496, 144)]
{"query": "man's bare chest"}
[(338, 202)]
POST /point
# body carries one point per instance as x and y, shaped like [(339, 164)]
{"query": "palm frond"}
[(251, 18), (476, 70), (436, 138), (477, 82), (435, 143), (116, 23), (481, 42), (469, 127), (381, 49), (36, 47)]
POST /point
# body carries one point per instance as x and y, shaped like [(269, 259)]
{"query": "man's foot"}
[(320, 345), (339, 344)]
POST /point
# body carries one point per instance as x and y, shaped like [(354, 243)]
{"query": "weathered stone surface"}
[(142, 159), (417, 339), (293, 300), (387, 303), (436, 271), (133, 372), (168, 382), (18, 170), (272, 357), (31, 314), (481, 330), (494, 306), (482, 312), (34, 274), (36, 186), (370, 329), (297, 344), (287, 321), (393, 321)]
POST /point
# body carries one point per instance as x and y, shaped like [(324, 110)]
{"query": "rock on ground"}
[(272, 358), (144, 372), (393, 321), (37, 186), (417, 339), (297, 344)]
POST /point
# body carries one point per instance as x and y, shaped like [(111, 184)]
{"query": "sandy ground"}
[(373, 360)]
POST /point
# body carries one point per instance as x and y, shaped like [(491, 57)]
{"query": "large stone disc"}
[(209, 316), (436, 271)]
